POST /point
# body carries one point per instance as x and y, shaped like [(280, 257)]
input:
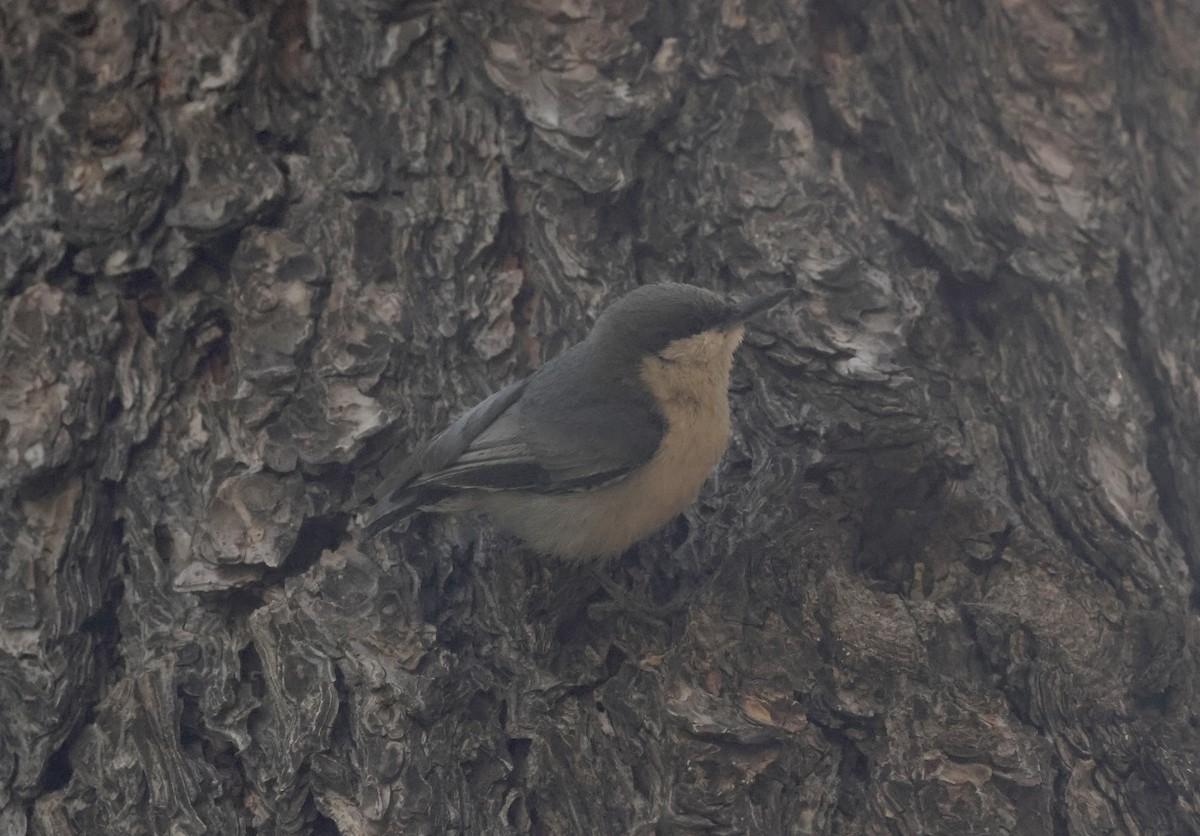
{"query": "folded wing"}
[(546, 434)]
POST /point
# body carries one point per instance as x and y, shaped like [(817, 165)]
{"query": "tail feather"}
[(386, 513), (385, 489), (402, 485)]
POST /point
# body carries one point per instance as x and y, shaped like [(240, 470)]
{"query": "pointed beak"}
[(755, 305)]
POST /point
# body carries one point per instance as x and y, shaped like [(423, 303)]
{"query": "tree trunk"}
[(942, 581)]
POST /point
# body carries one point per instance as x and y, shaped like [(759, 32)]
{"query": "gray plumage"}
[(540, 454)]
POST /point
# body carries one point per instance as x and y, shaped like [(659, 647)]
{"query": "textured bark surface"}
[(942, 582)]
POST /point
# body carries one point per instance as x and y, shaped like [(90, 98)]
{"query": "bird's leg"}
[(624, 601)]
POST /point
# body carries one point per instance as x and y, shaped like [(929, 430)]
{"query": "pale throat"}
[(694, 369)]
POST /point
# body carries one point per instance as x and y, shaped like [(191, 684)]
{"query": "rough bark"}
[(941, 583)]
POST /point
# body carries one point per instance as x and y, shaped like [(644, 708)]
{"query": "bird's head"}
[(676, 324)]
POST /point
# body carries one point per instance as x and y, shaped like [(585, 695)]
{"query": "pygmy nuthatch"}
[(600, 446)]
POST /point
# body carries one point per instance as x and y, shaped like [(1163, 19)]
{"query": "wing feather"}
[(564, 428)]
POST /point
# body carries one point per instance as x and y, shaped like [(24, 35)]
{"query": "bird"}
[(600, 446)]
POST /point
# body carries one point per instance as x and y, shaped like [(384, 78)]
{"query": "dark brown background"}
[(941, 583)]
